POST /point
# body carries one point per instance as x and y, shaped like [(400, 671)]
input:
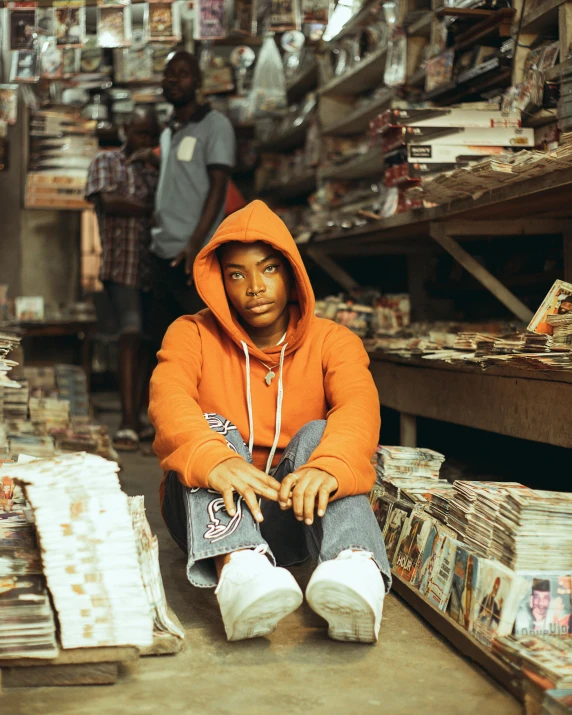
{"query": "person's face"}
[(180, 83), (565, 307), (257, 280), (141, 134), (496, 587), (540, 602)]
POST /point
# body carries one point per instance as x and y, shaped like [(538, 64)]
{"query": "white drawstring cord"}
[(278, 411), (248, 398), (278, 426)]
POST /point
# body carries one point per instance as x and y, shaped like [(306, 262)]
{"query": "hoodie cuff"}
[(202, 461), (347, 481)]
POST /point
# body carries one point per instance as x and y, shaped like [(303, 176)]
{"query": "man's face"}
[(496, 587), (257, 280), (180, 83), (540, 603)]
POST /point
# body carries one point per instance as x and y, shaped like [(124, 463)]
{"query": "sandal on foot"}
[(126, 440), (147, 433)]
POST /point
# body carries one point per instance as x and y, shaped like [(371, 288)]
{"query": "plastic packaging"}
[(396, 62), (268, 94)]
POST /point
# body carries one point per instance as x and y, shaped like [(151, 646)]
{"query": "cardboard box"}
[(457, 136), (450, 154), (447, 117)]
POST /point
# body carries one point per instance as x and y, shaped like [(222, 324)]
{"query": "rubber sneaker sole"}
[(350, 617), (262, 616)]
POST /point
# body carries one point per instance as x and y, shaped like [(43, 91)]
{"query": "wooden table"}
[(84, 330), (519, 403)]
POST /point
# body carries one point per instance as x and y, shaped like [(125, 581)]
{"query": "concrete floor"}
[(295, 670)]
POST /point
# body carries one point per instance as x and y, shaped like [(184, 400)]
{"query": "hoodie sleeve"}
[(353, 421), (184, 442)]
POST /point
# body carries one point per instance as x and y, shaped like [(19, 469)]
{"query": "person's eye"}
[(271, 269), (235, 276)]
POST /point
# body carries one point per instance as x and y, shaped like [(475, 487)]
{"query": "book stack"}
[(534, 529), (33, 445), (548, 659), (90, 438), (409, 462), (522, 343), (54, 413), (561, 328), (148, 552), (88, 550), (469, 341), (16, 401), (27, 626), (72, 386)]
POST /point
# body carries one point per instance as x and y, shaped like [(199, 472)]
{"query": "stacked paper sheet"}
[(27, 626), (409, 462), (72, 386), (88, 550)]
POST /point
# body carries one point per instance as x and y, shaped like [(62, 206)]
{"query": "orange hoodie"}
[(207, 363)]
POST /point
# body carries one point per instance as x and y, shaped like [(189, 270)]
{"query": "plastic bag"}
[(396, 62), (268, 94)]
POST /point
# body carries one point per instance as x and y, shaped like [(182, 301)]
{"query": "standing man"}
[(123, 193), (197, 156)]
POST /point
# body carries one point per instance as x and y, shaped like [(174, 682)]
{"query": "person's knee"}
[(313, 431)]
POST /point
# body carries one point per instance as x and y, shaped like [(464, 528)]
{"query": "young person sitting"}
[(257, 365)]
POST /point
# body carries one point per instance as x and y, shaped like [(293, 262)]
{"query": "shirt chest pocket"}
[(187, 149)]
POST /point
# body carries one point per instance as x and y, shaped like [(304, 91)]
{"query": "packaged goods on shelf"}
[(452, 153), (446, 117), (396, 137)]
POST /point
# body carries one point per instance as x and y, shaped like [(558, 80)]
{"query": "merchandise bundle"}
[(493, 555)]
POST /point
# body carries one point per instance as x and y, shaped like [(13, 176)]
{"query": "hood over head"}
[(255, 222)]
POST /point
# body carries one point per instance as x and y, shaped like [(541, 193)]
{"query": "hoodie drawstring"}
[(278, 426)]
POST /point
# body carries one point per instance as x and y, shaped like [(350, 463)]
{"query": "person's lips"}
[(260, 305)]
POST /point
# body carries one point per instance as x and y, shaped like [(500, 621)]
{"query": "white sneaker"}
[(254, 595), (348, 592)]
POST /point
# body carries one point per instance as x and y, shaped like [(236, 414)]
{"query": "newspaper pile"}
[(16, 401), (561, 328), (534, 529), (409, 462), (472, 341), (88, 550), (27, 626), (493, 173), (72, 386), (522, 343), (90, 438), (7, 343), (148, 552), (544, 657)]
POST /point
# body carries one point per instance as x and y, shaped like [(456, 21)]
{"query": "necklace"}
[(270, 375)]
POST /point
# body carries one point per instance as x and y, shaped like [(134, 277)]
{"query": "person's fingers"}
[(175, 262), (252, 502), (228, 497), (271, 482), (285, 488), (310, 502), (260, 488), (323, 499), (298, 499)]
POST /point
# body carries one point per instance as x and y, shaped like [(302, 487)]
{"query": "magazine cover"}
[(24, 66), (463, 587), (163, 22), (498, 595), (113, 26), (45, 21), (69, 23), (245, 17), (211, 20), (284, 15), (382, 511), (8, 103), (441, 582), (395, 526), (50, 60), (412, 546), (428, 559), (557, 302), (545, 607), (22, 24)]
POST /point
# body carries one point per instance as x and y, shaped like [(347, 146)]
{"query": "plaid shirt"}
[(124, 241)]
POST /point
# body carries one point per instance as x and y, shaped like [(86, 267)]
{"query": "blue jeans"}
[(201, 526)]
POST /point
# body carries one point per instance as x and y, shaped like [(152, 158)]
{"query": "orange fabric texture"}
[(202, 368)]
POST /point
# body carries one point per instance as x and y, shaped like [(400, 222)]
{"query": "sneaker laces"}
[(351, 554), (261, 549)]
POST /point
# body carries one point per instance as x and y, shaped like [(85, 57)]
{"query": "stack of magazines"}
[(547, 658), (16, 401), (72, 386), (54, 413), (27, 626), (88, 550), (409, 462)]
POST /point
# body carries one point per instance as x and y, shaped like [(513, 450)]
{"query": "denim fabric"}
[(199, 523)]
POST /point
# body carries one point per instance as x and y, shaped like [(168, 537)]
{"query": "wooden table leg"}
[(407, 430)]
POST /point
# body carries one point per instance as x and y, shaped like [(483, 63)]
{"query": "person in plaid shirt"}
[(123, 193)]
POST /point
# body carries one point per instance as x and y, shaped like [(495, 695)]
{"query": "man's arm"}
[(218, 180), (115, 204)]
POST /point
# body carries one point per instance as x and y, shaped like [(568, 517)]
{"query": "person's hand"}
[(188, 255), (237, 475), (309, 488), (144, 156)]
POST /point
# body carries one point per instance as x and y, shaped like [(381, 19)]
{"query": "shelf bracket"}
[(328, 265), (441, 233)]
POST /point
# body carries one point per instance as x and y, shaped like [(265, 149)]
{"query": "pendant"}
[(269, 377)]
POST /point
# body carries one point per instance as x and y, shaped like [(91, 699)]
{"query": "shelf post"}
[(407, 430), (440, 233), (328, 265)]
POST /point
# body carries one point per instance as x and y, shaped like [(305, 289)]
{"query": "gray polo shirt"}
[(184, 180)]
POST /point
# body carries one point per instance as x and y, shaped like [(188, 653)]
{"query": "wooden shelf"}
[(291, 139), (540, 118), (483, 29), (357, 122), (296, 187), (465, 13), (555, 72), (367, 74), (417, 79), (496, 400), (305, 81), (543, 19), (458, 637), (361, 167), (360, 18), (422, 26)]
